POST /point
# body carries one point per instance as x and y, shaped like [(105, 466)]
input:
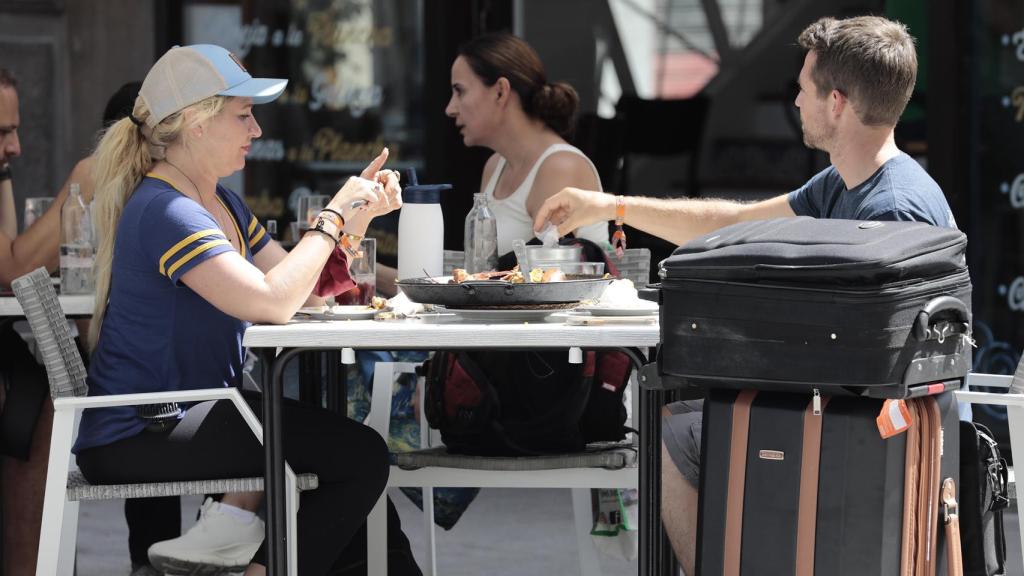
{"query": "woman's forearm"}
[(292, 280)]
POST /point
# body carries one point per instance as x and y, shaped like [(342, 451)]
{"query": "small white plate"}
[(356, 312), (642, 308)]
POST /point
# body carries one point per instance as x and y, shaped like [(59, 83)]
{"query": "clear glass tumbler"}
[(364, 273)]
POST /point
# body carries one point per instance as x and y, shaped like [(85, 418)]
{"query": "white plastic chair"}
[(65, 486), (615, 468)]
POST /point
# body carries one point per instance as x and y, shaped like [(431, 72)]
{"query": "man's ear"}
[(839, 103)]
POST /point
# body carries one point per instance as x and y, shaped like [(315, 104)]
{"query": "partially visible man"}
[(26, 414), (10, 147), (857, 77), (38, 245)]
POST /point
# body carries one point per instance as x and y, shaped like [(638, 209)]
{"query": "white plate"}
[(341, 312), (642, 308), (499, 315)]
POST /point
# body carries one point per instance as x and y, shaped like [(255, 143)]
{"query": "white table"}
[(452, 334), (73, 305)]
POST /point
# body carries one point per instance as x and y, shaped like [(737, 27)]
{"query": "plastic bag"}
[(616, 522)]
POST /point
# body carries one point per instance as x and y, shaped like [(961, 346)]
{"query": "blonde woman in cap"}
[(182, 268)]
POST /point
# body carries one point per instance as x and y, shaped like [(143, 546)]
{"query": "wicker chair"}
[(65, 486)]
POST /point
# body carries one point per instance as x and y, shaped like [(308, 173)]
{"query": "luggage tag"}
[(894, 418)]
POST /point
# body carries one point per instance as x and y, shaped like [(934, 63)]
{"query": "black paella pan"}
[(499, 292)]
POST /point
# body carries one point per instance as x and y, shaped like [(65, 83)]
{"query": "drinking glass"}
[(364, 273), (35, 208), (308, 209)]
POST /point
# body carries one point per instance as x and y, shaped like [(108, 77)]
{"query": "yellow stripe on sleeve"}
[(190, 239), (252, 225), (195, 251), (259, 235)]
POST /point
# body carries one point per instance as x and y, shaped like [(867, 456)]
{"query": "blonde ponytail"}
[(124, 155), (122, 159)]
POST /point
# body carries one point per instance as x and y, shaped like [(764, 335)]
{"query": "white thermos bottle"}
[(420, 229)]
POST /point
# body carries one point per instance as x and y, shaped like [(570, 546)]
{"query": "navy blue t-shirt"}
[(158, 335), (899, 190)]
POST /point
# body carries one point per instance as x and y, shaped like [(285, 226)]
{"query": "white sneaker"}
[(218, 543)]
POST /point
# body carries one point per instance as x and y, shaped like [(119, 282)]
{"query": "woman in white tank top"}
[(501, 99)]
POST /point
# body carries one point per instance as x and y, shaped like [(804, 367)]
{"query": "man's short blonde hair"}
[(869, 59)]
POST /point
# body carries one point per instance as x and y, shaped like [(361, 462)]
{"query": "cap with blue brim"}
[(185, 75)]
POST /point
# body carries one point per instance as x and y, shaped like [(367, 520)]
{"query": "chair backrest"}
[(634, 264), (662, 127), (602, 140), (64, 367)]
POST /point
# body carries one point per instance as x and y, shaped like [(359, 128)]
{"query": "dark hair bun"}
[(556, 105)]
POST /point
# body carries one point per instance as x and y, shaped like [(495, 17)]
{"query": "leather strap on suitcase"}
[(809, 469), (922, 496), (912, 467), (810, 460), (931, 455), (951, 516), (737, 479)]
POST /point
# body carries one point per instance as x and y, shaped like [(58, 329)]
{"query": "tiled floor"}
[(503, 533)]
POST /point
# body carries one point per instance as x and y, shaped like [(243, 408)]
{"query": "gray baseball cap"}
[(185, 75)]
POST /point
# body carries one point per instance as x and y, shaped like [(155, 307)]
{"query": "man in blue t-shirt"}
[(857, 77)]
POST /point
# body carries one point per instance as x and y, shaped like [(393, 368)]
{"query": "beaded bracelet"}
[(619, 236)]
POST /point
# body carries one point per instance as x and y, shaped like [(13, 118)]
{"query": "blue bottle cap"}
[(424, 193)]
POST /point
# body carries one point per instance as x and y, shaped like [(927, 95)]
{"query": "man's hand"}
[(572, 208)]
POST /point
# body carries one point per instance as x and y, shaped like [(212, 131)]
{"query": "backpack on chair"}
[(508, 403)]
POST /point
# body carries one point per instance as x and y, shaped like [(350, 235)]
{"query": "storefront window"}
[(355, 74)]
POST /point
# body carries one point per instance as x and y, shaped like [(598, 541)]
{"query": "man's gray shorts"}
[(680, 431)]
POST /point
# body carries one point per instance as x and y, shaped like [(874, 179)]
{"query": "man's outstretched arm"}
[(675, 220)]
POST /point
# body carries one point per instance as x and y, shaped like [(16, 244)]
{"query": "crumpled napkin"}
[(548, 236), (334, 278), (401, 305), (622, 293)]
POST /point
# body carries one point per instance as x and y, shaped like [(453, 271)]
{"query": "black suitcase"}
[(785, 491), (794, 303)]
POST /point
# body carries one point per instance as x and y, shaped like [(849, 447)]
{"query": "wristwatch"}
[(5, 172)]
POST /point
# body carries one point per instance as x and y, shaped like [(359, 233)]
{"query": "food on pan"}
[(514, 275)]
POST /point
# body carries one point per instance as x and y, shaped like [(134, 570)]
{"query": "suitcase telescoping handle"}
[(922, 325)]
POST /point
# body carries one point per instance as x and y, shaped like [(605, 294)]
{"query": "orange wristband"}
[(333, 217), (619, 236)]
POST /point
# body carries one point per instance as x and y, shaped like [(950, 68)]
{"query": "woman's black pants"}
[(213, 441)]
